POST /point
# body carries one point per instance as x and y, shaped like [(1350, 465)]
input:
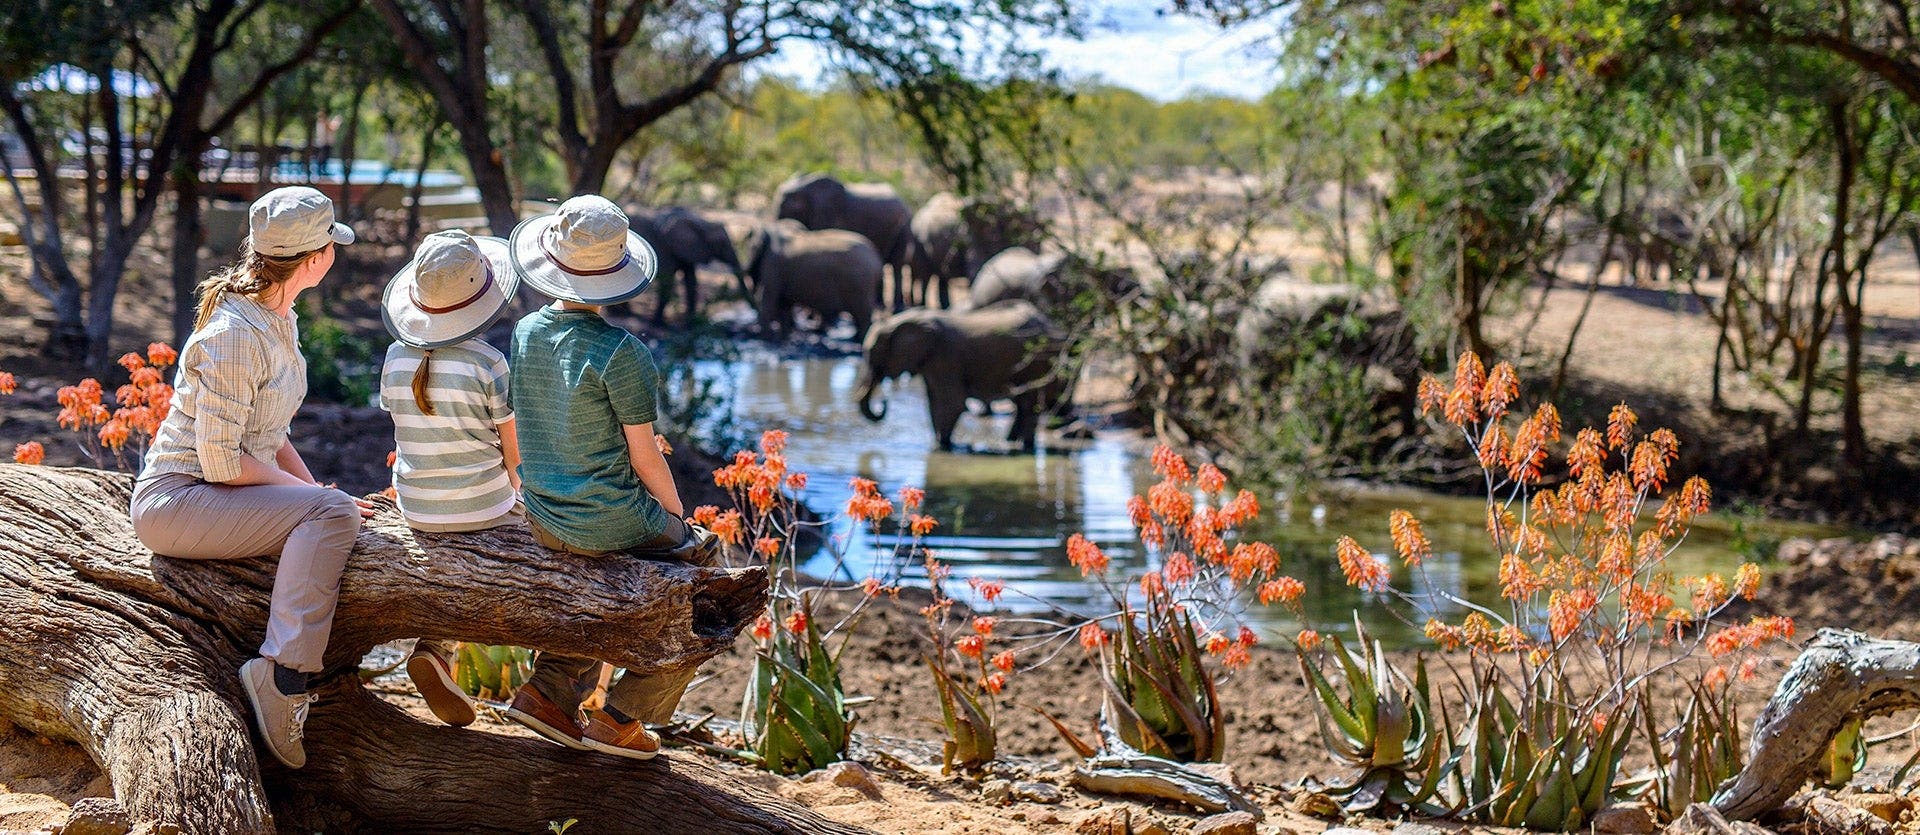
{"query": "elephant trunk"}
[(868, 382)]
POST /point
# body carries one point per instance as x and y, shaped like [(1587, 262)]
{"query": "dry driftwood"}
[(1842, 674), (134, 657), (1119, 768)]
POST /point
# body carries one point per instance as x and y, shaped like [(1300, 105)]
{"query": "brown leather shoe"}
[(621, 739), (539, 714), (432, 675)]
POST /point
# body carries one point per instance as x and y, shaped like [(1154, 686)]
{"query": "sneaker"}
[(432, 675), (539, 714), (611, 736), (281, 718)]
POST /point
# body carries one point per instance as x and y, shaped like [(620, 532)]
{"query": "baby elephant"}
[(830, 272), (1005, 351)]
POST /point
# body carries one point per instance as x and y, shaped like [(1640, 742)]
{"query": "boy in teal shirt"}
[(591, 473)]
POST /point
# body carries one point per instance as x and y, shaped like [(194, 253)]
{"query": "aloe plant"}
[(491, 672), (1547, 766), (1696, 755), (1382, 730), (1160, 695), (795, 713), (971, 740)]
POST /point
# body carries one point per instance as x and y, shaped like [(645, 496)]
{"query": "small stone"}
[(1625, 819), (1226, 823), (1887, 807), (97, 816), (996, 791), (1318, 805), (1411, 828), (1151, 826), (1703, 819), (1105, 822), (1034, 792), (1826, 815)]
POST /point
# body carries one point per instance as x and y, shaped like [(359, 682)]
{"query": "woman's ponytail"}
[(420, 384), (212, 289)]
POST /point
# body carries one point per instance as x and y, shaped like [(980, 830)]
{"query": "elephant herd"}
[(831, 248)]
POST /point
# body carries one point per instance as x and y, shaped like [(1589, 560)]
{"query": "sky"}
[(1129, 43)]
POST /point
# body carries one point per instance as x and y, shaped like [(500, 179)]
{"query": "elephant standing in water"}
[(684, 241), (830, 272), (818, 201), (1007, 351)]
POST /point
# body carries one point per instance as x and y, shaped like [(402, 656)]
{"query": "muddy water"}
[(1006, 516)]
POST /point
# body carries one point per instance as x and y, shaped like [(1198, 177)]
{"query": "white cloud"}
[(1129, 44)]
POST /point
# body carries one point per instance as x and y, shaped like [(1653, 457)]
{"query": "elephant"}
[(830, 271), (1006, 351), (1050, 280), (954, 236), (684, 241), (818, 201)]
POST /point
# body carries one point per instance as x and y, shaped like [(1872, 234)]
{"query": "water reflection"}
[(1006, 517)]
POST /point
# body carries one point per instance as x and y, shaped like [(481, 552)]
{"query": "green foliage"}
[(1701, 751), (342, 367), (1542, 763), (971, 739), (795, 711), (1160, 695), (1382, 731), (489, 672)]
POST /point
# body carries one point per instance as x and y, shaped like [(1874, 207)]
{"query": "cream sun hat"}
[(454, 287), (291, 220), (585, 252)]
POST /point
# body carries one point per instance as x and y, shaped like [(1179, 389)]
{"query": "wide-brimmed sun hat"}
[(583, 253), (291, 220), (453, 288)]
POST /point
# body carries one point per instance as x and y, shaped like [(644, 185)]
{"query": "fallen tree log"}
[(134, 657), (1840, 676)]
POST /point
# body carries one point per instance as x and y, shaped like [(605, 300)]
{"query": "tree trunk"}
[(489, 176), (1841, 675), (186, 246), (134, 656)]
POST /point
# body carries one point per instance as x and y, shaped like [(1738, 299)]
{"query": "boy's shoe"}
[(621, 739), (539, 714), (701, 548), (432, 675), (282, 719)]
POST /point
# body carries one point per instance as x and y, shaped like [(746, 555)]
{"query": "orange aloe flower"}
[(1004, 661), (1408, 538), (970, 646), (30, 452), (983, 626), (797, 622), (161, 354), (1284, 590), (989, 590), (1211, 480), (773, 441), (994, 683), (763, 628), (1308, 640), (1086, 556), (7, 383), (1362, 570), (1092, 637)]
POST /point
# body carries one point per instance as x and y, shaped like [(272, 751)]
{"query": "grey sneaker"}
[(281, 718)]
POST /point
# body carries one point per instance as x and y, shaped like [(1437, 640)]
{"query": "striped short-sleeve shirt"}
[(448, 468)]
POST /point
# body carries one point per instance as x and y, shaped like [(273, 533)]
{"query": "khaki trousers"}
[(565, 679), (311, 529)]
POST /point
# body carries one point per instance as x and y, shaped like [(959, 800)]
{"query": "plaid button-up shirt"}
[(240, 380)]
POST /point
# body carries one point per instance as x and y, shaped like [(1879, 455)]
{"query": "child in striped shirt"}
[(456, 457)]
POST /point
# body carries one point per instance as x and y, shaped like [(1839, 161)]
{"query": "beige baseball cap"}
[(453, 288), (291, 220), (585, 252)]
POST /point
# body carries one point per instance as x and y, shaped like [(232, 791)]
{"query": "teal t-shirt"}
[(577, 379)]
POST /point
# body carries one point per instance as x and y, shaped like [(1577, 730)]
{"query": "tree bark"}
[(1841, 674), (133, 656)]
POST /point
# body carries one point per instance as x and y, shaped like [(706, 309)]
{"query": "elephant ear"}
[(918, 337)]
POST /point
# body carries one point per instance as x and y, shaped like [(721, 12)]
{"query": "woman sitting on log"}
[(223, 481), (455, 451)]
